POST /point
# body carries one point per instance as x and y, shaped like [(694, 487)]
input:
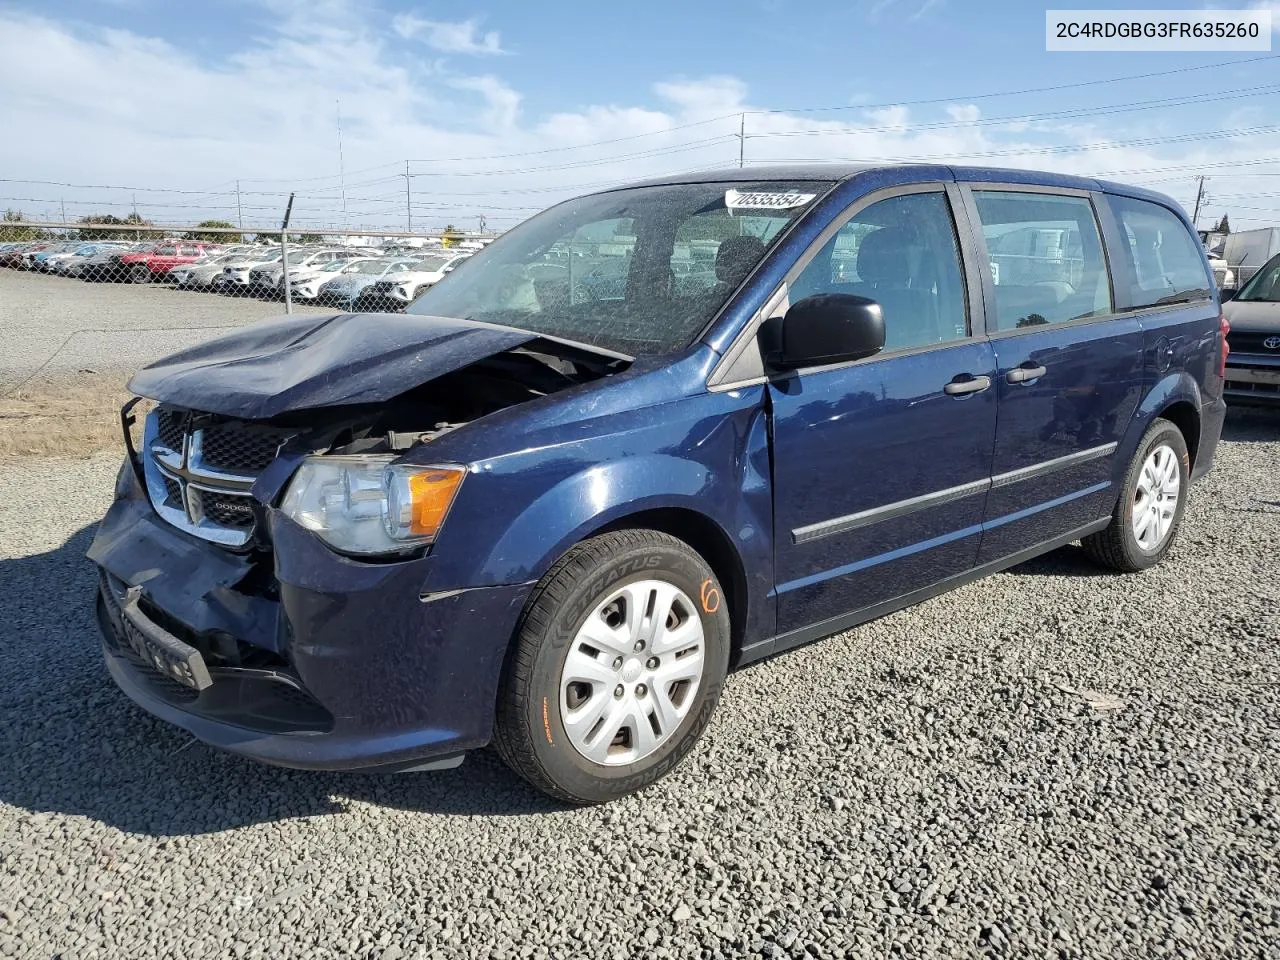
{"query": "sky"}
[(496, 109)]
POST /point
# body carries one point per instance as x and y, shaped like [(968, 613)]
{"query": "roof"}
[(758, 172), (834, 171)]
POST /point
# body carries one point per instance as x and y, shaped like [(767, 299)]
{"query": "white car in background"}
[(202, 274), (271, 276), (398, 290), (305, 282), (235, 275)]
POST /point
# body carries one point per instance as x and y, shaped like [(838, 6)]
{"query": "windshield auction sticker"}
[(1123, 30), (765, 199)]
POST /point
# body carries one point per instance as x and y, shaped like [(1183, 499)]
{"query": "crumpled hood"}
[(299, 363)]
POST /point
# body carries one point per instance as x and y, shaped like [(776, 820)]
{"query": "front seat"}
[(885, 269)]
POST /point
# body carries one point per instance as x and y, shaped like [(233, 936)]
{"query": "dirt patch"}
[(75, 416)]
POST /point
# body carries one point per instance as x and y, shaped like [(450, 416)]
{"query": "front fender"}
[(589, 500)]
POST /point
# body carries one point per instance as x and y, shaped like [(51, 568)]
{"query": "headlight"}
[(365, 505)]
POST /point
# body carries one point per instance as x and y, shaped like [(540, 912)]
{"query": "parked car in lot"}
[(305, 282), (200, 274), (1253, 366), (396, 290), (354, 278), (35, 257), (269, 277), (381, 541), (236, 274), (106, 265), (63, 263), (310, 282), (155, 264)]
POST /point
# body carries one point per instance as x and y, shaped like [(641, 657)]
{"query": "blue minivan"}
[(549, 513)]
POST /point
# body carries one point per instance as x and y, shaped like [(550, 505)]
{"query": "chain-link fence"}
[(353, 271)]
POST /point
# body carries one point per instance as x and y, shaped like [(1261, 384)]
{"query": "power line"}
[(1188, 100), (1017, 93), (582, 146)]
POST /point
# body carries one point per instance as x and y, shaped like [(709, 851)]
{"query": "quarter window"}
[(1046, 258), (902, 253), (1167, 263)]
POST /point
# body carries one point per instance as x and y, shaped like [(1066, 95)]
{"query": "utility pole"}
[(342, 176), (284, 256), (408, 199), (742, 139), (239, 211), (1195, 217), (64, 210)]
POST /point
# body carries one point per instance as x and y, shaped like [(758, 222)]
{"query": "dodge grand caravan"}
[(550, 514)]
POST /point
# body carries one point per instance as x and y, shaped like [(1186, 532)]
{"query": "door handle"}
[(1024, 373), (966, 383)]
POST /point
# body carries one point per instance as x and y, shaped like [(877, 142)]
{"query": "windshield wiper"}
[(1188, 296)]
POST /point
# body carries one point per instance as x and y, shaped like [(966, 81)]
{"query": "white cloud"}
[(503, 102), (448, 36), (964, 112), (1274, 7), (266, 115)]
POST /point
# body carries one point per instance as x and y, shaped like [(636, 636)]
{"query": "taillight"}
[(1224, 328)]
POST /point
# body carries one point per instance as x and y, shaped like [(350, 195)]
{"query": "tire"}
[(591, 588), (139, 273), (1118, 545)]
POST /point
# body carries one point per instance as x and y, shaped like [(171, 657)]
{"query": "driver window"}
[(902, 253)]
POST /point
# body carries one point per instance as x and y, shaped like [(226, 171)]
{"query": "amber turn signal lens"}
[(432, 494), (419, 499)]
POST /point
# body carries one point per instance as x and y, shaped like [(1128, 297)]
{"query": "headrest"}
[(885, 256)]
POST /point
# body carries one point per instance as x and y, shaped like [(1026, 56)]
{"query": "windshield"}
[(638, 271), (431, 264), (1263, 285)]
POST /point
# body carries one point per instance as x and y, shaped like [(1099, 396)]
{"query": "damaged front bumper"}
[(313, 660)]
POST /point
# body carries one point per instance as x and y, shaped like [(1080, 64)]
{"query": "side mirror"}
[(1227, 293), (825, 328)]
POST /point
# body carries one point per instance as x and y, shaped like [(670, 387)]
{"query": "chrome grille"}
[(232, 447), (170, 424), (226, 510), (199, 474)]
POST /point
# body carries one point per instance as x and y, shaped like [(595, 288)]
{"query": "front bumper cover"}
[(346, 665)]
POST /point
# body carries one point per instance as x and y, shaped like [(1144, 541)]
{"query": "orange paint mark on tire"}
[(546, 721), (710, 597)]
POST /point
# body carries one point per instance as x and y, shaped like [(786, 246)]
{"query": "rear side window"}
[(1165, 258), (1045, 253)]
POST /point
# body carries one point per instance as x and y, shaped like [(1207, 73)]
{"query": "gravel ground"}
[(108, 326), (1054, 762)]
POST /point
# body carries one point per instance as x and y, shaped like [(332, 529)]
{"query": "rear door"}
[(1162, 276), (880, 466), (1069, 365)]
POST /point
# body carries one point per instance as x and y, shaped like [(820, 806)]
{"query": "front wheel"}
[(139, 273), (1149, 512), (617, 668)]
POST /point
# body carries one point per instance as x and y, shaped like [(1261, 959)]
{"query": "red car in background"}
[(148, 265)]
